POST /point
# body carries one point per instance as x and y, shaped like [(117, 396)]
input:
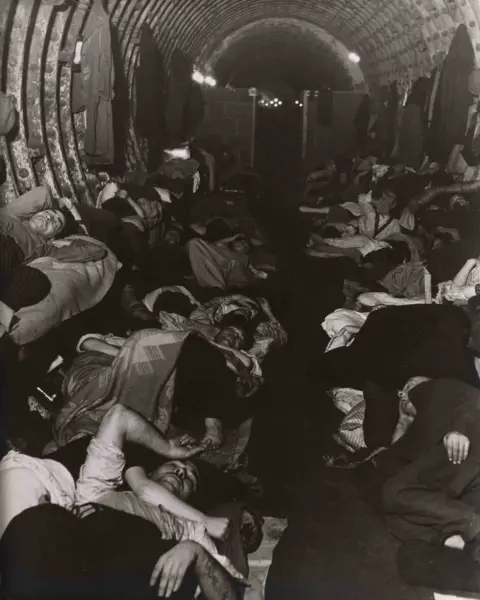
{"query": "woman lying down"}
[(378, 219), (105, 540), (215, 352)]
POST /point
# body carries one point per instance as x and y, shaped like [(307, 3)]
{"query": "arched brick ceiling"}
[(395, 39)]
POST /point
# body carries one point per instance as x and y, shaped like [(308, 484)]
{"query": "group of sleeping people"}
[(417, 365), (132, 498)]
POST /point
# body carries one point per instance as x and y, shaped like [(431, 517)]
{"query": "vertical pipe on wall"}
[(253, 94), (306, 97)]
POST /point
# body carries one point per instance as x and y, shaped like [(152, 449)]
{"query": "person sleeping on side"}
[(430, 498), (378, 219), (85, 478), (214, 379)]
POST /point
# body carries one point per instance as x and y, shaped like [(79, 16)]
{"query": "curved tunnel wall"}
[(396, 40)]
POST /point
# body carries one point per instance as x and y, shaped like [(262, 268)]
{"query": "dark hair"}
[(174, 302), (71, 225), (119, 207), (240, 321), (217, 229)]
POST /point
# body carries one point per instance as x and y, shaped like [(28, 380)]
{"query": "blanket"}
[(341, 327), (142, 377), (76, 287)]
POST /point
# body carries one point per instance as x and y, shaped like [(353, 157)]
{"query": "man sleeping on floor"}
[(432, 502), (113, 454)]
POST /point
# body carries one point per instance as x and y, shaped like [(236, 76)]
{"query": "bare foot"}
[(213, 437)]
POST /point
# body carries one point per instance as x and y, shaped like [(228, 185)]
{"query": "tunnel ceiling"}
[(281, 51), (396, 40)]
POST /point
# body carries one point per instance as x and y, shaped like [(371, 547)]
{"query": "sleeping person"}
[(85, 478), (32, 222), (379, 219)]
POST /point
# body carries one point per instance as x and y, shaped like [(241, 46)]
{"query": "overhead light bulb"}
[(210, 81), (300, 104), (198, 77), (280, 103), (353, 56)]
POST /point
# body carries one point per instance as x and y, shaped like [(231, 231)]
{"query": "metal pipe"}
[(253, 94), (306, 96)]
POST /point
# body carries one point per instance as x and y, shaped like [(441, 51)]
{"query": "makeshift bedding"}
[(142, 377), (206, 318), (342, 326), (76, 287)]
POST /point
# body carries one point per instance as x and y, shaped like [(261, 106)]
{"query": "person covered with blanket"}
[(214, 377), (85, 478), (431, 498), (233, 335)]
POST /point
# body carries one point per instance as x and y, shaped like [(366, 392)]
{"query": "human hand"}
[(183, 449), (457, 446), (218, 527), (65, 203), (171, 567)]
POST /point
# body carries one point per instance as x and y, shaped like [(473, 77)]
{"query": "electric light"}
[(353, 56)]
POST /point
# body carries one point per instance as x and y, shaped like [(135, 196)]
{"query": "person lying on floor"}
[(176, 308), (215, 376), (433, 498), (99, 466), (104, 554), (377, 221), (223, 264), (33, 223)]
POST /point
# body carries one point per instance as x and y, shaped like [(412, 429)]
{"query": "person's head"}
[(235, 331), (385, 201), (241, 245), (48, 223), (172, 236), (174, 303), (181, 478)]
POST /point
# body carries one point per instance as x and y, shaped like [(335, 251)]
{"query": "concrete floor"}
[(336, 546)]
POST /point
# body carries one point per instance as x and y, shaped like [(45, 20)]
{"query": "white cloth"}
[(352, 207), (341, 327), (164, 195), (26, 482)]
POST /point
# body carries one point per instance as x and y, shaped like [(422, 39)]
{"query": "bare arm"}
[(213, 579), (171, 568), (96, 345), (463, 187), (154, 493), (461, 276)]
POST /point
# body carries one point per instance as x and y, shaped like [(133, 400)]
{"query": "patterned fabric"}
[(142, 377)]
